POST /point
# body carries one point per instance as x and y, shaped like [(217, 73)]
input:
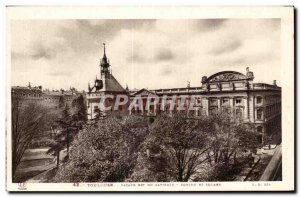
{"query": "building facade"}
[(253, 103), (45, 97), (108, 86)]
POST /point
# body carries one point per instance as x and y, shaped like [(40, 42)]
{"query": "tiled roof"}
[(112, 85)]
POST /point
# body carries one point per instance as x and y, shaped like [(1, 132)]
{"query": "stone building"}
[(27, 92), (107, 85), (45, 97), (52, 98), (253, 103)]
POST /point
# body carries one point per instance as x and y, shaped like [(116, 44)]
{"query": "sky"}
[(149, 54)]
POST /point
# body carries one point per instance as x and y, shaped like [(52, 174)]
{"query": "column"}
[(231, 103), (245, 103)]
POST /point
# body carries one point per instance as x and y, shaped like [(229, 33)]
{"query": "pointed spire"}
[(104, 49), (104, 60)]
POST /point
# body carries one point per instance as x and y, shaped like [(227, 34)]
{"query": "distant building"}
[(44, 97), (51, 98), (27, 92)]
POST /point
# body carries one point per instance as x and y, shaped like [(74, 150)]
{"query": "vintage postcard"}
[(150, 99)]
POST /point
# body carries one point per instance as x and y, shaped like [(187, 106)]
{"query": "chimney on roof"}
[(29, 86), (62, 91), (274, 83)]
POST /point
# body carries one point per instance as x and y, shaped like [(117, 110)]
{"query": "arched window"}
[(259, 114), (258, 100)]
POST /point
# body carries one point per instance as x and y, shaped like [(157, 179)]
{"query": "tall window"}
[(239, 113), (259, 129), (225, 101), (259, 138), (258, 100), (259, 114), (213, 101), (213, 110), (238, 101)]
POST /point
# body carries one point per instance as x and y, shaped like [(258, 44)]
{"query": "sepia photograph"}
[(127, 99)]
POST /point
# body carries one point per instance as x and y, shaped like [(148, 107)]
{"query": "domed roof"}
[(226, 76)]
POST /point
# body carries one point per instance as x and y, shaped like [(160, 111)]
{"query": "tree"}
[(175, 147), (105, 151), (231, 141), (229, 137), (28, 119), (80, 108), (65, 136), (79, 115)]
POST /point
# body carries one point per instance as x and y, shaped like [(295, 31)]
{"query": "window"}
[(213, 101), (225, 101), (238, 101), (259, 138), (258, 100), (226, 110), (239, 113), (198, 113), (259, 129), (213, 110), (259, 114)]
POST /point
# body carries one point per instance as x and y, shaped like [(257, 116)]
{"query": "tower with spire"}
[(106, 85), (104, 64)]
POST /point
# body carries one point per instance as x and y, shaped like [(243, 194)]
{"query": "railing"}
[(273, 170)]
